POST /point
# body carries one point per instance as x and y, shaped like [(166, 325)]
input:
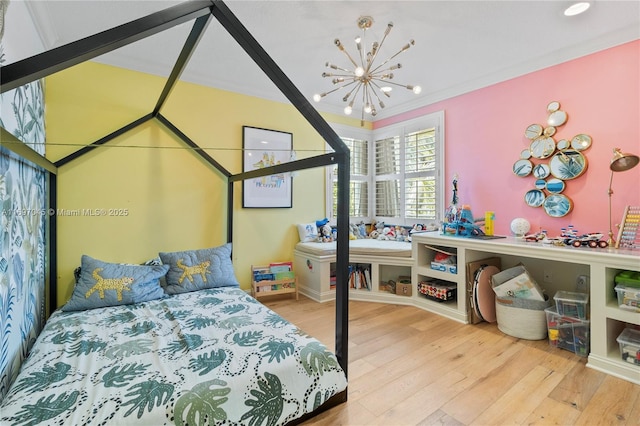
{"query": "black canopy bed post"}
[(342, 263), (52, 244)]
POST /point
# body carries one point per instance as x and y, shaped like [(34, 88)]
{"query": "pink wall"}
[(485, 135)]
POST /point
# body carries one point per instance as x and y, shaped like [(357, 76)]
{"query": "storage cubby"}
[(317, 276), (555, 268), (425, 251)]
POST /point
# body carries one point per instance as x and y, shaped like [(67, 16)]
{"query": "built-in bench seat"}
[(314, 264)]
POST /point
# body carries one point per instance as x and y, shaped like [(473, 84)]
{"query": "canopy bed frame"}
[(44, 64)]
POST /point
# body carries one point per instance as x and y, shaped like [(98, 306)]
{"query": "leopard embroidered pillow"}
[(102, 284), (198, 269)]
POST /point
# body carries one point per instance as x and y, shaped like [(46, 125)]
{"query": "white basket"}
[(522, 318)]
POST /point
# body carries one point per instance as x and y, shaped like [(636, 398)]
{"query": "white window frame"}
[(434, 120), (353, 133)]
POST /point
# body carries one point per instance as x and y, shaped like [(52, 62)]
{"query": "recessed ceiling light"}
[(577, 8)]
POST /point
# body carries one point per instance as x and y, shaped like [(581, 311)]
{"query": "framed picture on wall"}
[(265, 148)]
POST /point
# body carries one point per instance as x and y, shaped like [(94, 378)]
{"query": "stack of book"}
[(360, 276), (276, 276)]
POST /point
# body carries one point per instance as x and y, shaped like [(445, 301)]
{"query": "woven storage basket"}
[(522, 318)]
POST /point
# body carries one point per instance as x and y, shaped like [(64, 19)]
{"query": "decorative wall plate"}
[(541, 171), (555, 186), (522, 168), (542, 147), (581, 142), (568, 164), (562, 144), (557, 118), (533, 131), (563, 160), (534, 198), (557, 205)]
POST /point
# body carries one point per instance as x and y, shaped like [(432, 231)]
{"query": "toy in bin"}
[(629, 341), (568, 333), (443, 261), (572, 304)]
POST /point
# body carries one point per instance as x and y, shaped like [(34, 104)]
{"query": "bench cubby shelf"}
[(315, 273), (562, 263)]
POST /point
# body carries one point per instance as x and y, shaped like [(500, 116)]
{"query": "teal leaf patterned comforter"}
[(214, 356)]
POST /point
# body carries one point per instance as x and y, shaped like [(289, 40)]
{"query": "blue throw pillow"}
[(198, 269), (104, 284)]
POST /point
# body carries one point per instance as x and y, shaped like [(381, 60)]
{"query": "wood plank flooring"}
[(411, 367)]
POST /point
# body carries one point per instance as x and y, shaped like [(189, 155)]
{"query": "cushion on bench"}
[(360, 247)]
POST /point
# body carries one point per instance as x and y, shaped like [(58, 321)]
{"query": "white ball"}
[(520, 226)]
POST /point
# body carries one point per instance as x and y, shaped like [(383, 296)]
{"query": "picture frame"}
[(265, 148)]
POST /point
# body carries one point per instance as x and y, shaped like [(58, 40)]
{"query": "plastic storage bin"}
[(628, 278), (628, 298), (629, 341), (570, 304), (572, 334)]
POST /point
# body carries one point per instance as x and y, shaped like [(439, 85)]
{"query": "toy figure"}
[(362, 228), (325, 233)]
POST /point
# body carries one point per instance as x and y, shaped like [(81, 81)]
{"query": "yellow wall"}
[(173, 200)]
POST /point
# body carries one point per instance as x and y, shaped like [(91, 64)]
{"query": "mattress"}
[(360, 247), (214, 356)]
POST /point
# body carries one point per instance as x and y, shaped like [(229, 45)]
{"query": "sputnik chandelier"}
[(366, 79)]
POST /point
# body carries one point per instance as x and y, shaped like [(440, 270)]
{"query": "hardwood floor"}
[(411, 367)]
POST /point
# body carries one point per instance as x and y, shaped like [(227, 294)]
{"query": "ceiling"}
[(459, 45)]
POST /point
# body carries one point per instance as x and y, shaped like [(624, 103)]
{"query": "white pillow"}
[(308, 232)]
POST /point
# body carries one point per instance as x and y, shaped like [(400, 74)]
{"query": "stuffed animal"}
[(326, 233), (362, 230), (402, 234), (354, 232)]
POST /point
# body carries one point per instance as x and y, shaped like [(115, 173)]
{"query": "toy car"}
[(590, 240)]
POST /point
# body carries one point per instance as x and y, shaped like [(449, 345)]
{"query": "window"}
[(359, 181), (404, 184)]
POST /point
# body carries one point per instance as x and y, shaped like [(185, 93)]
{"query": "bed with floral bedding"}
[(205, 356)]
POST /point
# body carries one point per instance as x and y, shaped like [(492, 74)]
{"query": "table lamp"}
[(620, 162)]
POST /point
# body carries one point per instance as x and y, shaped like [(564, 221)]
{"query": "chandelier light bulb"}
[(362, 80)]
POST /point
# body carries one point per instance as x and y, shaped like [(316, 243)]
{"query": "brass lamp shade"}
[(623, 161)]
